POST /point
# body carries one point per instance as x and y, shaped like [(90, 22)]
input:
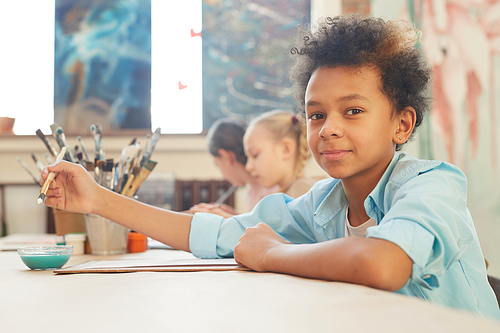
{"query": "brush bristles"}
[(41, 198)]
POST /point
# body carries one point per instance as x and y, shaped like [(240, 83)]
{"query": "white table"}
[(234, 301)]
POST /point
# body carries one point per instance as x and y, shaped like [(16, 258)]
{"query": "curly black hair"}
[(389, 46)]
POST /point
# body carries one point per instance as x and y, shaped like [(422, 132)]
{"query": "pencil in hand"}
[(50, 178)]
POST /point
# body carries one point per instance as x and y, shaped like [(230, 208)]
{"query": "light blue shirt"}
[(420, 205)]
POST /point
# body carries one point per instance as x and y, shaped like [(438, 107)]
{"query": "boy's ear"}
[(407, 119), (226, 155)]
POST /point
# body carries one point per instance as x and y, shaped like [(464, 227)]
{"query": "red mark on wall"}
[(195, 34), (181, 86)]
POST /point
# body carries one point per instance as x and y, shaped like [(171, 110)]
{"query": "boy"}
[(384, 219)]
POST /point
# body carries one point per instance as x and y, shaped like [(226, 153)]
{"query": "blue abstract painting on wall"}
[(246, 56), (102, 64)]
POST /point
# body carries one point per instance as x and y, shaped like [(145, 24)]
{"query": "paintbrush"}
[(116, 175), (54, 127), (107, 177), (49, 146), (25, 167), (123, 176), (128, 154), (141, 177), (61, 139), (89, 166), (136, 158), (37, 162), (79, 157), (99, 149), (61, 144), (79, 138), (226, 195), (150, 148), (135, 172), (146, 145), (47, 157), (50, 178), (99, 170)]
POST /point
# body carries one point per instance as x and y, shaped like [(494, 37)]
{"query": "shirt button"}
[(425, 277)]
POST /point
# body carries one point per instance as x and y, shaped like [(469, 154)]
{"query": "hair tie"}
[(294, 119)]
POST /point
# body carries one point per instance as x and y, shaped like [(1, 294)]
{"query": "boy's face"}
[(350, 127)]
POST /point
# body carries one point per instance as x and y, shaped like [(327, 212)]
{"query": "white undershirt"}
[(359, 231)]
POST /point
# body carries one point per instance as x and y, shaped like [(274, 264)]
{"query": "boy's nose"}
[(330, 129)]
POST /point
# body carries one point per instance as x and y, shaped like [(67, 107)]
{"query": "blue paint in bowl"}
[(45, 257)]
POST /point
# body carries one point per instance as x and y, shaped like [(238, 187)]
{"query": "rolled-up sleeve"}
[(203, 235), (212, 236), (416, 241), (428, 219)]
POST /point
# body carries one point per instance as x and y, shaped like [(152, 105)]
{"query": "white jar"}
[(77, 241)]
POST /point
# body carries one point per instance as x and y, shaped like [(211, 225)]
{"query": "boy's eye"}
[(316, 116), (354, 111)]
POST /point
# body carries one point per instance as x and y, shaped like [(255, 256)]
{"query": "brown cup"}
[(7, 125)]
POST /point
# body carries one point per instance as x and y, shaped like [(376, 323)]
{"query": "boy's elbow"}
[(388, 279), (388, 271)]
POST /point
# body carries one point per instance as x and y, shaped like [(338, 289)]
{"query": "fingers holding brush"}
[(72, 189)]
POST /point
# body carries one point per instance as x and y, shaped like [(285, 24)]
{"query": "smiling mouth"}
[(333, 155)]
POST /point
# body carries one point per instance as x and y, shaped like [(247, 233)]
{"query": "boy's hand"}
[(256, 246), (73, 188)]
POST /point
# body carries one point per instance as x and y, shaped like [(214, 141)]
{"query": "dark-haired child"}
[(225, 144), (385, 219)]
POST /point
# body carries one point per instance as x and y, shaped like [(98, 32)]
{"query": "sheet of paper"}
[(154, 244), (152, 265), (129, 263)]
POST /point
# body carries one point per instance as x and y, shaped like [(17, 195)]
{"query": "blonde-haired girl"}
[(276, 147)]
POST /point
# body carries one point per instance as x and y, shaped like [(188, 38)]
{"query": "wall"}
[(356, 6)]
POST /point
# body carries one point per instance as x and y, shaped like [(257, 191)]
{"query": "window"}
[(28, 66), (176, 60)]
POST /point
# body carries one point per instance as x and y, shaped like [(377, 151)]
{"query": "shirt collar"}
[(336, 202), (374, 201)]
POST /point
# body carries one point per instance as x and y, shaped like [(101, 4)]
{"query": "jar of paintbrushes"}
[(125, 177)]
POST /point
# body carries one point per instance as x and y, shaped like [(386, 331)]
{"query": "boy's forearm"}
[(168, 227), (372, 262)]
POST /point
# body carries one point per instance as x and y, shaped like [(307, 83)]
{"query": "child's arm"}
[(221, 210), (367, 261), (75, 190)]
